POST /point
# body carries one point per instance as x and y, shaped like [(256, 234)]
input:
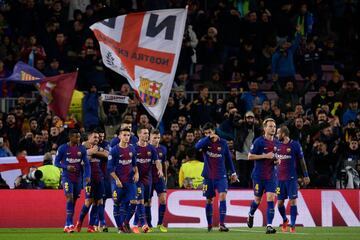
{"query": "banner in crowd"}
[(144, 47), (114, 98), (24, 73), (57, 92), (185, 208)]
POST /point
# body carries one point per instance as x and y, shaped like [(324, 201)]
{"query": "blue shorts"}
[(287, 189), (211, 185), (125, 194), (107, 187), (70, 187), (143, 191), (159, 187), (261, 186), (95, 190)]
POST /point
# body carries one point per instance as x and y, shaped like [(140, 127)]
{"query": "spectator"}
[(305, 20), (351, 112), (111, 120), (202, 109), (185, 144), (90, 107), (253, 97), (191, 169), (32, 51), (50, 173), (13, 133), (33, 144), (283, 67), (4, 151)]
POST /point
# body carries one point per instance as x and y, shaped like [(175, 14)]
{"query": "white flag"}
[(144, 47)]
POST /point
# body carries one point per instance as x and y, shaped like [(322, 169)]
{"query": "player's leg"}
[(145, 193), (270, 188), (281, 192), (258, 192), (107, 195), (160, 188), (147, 205), (293, 194), (132, 193), (116, 193), (222, 186), (100, 218), (209, 193), (68, 190)]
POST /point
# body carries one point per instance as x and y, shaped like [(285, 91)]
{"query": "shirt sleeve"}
[(59, 157), (228, 158), (256, 147), (111, 161), (202, 143), (86, 162), (133, 162)]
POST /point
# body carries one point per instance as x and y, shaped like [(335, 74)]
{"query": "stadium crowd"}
[(244, 47)]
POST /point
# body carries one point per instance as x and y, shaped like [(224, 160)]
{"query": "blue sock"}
[(136, 218), (117, 214), (270, 212), (69, 213), (282, 212), (101, 215), (293, 214), (93, 215), (148, 215), (162, 209), (130, 212), (123, 212), (83, 212), (141, 214), (253, 208), (222, 210), (209, 213)]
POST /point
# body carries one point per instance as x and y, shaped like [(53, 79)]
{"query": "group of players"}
[(130, 168)]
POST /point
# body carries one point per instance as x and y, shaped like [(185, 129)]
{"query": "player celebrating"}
[(145, 156), (116, 140), (158, 183), (69, 157), (216, 152), (124, 173), (95, 190), (289, 152), (263, 175)]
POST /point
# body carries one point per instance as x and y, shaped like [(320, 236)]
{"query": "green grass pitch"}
[(322, 233)]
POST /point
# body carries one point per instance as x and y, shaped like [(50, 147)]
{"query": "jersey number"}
[(87, 189), (277, 190), (66, 186)]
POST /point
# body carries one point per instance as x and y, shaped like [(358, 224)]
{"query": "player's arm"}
[(111, 167), (85, 160), (203, 142), (165, 163), (135, 168), (59, 157), (255, 152), (101, 153), (230, 163), (155, 157), (301, 158)]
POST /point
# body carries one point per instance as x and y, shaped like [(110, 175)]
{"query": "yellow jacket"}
[(191, 169), (51, 176)]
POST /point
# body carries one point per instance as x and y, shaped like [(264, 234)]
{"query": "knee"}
[(280, 203), (133, 202), (292, 202)]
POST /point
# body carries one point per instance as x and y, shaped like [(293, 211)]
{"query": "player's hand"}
[(269, 155), (71, 168), (136, 177), (160, 173), (214, 137), (234, 178), (119, 184), (87, 180), (277, 161), (306, 180)]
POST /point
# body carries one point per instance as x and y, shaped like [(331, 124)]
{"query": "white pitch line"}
[(258, 231)]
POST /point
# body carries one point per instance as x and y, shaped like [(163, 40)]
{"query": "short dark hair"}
[(141, 127), (191, 153), (126, 129), (208, 126), (155, 131), (73, 131), (285, 130)]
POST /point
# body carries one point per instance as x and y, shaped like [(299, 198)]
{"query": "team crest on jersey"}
[(79, 154), (130, 154), (288, 150), (149, 154), (160, 154), (219, 149)]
